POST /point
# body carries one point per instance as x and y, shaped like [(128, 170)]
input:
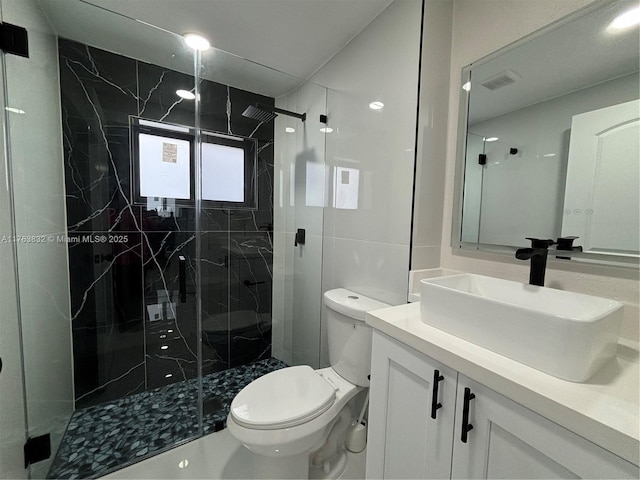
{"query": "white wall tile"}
[(379, 64), (377, 270), (427, 256), (432, 128), (370, 156)]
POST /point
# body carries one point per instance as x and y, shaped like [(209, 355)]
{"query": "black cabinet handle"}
[(182, 278), (466, 426), (435, 405)]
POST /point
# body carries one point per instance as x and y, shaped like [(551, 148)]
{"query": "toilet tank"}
[(348, 336)]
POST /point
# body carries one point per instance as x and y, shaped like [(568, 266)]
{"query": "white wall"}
[(366, 238), (432, 128), (479, 28), (39, 199)]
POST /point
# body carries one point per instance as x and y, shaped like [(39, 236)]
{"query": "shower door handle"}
[(182, 280)]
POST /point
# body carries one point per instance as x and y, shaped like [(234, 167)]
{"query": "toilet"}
[(295, 419)]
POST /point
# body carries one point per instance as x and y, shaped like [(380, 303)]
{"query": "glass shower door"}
[(150, 290), (12, 412), (301, 195), (106, 280)]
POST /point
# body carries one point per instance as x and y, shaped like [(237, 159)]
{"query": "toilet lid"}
[(283, 398)]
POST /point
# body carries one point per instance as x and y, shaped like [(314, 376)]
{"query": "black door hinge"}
[(37, 449), (14, 40)]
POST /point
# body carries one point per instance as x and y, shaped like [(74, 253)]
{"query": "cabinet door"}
[(404, 440), (508, 440)]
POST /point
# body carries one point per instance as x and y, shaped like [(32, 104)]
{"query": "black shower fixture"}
[(266, 113)]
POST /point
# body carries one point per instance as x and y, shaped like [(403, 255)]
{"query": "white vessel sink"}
[(567, 335)]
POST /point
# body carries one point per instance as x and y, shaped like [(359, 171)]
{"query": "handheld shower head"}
[(265, 113)]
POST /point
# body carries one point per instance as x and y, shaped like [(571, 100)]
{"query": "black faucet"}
[(566, 243), (538, 256)]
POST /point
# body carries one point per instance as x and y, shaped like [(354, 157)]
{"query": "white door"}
[(510, 441), (12, 415), (405, 441), (602, 195)]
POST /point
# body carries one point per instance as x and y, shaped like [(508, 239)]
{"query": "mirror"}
[(548, 139)]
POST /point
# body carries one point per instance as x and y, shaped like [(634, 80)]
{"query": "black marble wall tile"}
[(170, 314), (260, 220), (132, 330), (250, 289), (216, 110), (106, 295), (158, 98), (214, 271), (98, 92)]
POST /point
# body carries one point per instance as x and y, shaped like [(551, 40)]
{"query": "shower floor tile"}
[(104, 437)]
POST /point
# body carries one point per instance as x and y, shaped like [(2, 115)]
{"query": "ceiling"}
[(292, 36)]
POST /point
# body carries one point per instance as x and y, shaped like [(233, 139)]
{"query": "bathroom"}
[(253, 297)]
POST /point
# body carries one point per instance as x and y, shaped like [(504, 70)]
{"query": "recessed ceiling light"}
[(628, 19), (466, 86), (15, 110), (164, 347), (326, 129), (290, 130), (183, 463), (168, 375), (197, 42), (491, 139), (376, 105), (186, 94), (549, 155)]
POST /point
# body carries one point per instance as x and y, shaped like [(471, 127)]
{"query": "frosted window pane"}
[(222, 173), (165, 167)]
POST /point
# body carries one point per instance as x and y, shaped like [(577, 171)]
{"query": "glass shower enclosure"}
[(150, 233)]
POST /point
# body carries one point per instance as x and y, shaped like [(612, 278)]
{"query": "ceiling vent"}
[(500, 80)]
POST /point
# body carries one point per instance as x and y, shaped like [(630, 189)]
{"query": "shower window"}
[(163, 164)]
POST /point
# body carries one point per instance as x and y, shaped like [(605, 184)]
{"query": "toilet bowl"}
[(295, 419)]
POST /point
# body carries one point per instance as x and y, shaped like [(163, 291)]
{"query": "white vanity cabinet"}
[(407, 391), (503, 438), (508, 440)]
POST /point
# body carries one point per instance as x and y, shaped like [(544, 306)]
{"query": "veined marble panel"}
[(125, 294)]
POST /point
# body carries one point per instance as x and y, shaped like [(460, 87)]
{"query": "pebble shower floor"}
[(104, 437)]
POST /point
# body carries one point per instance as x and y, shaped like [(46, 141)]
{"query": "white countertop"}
[(604, 410)]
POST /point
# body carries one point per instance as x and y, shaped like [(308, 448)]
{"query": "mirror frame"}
[(630, 261)]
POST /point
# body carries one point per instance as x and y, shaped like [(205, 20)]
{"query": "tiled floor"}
[(216, 456), (107, 436)]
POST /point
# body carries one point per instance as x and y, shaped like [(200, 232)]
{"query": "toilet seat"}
[(281, 399)]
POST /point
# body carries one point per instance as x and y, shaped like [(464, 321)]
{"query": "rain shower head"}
[(265, 113), (256, 113)]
